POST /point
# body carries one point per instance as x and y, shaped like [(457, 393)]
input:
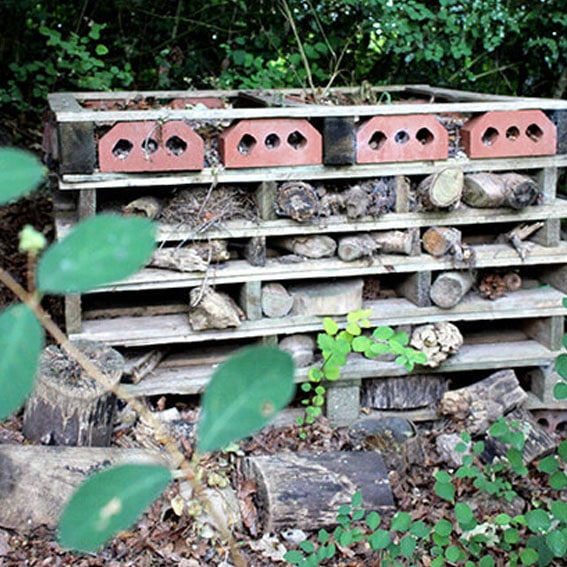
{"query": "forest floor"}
[(166, 536)]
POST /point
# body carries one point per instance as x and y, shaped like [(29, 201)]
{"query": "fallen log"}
[(36, 482), (437, 341), (335, 298), (67, 406), (441, 190), (449, 288), (276, 300), (307, 488), (316, 246), (481, 404), (491, 190), (408, 392)]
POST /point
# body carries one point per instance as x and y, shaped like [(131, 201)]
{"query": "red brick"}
[(150, 146), (509, 134), (267, 142), (411, 137)]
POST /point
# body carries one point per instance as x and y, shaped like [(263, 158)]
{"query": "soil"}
[(164, 538)]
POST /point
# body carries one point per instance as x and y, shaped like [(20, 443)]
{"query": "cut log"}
[(179, 259), (276, 301), (539, 442), (491, 190), (442, 189), (300, 347), (356, 202), (316, 246), (148, 207), (408, 392), (37, 482), (67, 406), (449, 288), (437, 341), (255, 251), (307, 488), (297, 200), (441, 240), (481, 404), (331, 203), (363, 245), (209, 309), (334, 298)]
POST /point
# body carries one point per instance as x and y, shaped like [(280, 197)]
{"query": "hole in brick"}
[(424, 136), (401, 137), (534, 132), (377, 140), (246, 144), (176, 145), (489, 137), (296, 140), (149, 145), (272, 141), (543, 422), (122, 148), (512, 133)]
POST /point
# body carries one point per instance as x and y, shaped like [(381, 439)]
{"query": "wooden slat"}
[(320, 172), (339, 223), (477, 357), (166, 329), (240, 271)]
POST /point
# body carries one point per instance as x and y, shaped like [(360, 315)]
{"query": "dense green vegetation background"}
[(501, 46)]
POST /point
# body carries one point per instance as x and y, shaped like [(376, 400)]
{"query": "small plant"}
[(335, 345), (560, 389)]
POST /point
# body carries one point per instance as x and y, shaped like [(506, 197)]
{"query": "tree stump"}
[(67, 406), (442, 189), (408, 392), (481, 404), (306, 489), (449, 288)]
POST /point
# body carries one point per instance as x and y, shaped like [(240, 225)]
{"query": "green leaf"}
[(529, 556), (383, 333), (244, 394), (330, 326), (400, 338), (561, 365), (108, 502), (558, 480), (332, 372), (548, 464), (443, 528), (444, 490), (21, 341), (323, 536), (560, 391), (559, 510), (463, 513), (502, 520), (407, 545), (538, 520), (356, 499), (101, 49), (557, 543), (486, 561), (373, 520), (562, 450), (453, 553), (100, 250), (401, 522), (20, 173), (512, 536), (360, 344), (307, 546), (419, 529), (294, 557), (380, 539), (353, 329)]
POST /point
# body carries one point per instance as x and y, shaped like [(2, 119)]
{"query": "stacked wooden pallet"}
[(256, 144)]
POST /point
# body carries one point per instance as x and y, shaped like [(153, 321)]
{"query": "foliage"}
[(560, 389), (537, 537), (335, 345), (506, 47), (245, 392)]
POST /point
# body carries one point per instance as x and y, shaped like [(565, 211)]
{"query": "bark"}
[(212, 310), (297, 200), (438, 341), (363, 245), (481, 404), (441, 240), (449, 288), (492, 190)]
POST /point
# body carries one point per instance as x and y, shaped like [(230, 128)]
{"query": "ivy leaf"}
[(20, 173), (100, 250), (108, 502), (21, 341), (244, 394)]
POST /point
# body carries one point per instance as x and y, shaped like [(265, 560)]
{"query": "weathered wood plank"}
[(299, 173), (141, 331)]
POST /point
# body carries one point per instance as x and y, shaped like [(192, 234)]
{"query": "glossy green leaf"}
[(20, 173), (108, 502), (21, 341), (100, 250), (538, 520), (244, 394)]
